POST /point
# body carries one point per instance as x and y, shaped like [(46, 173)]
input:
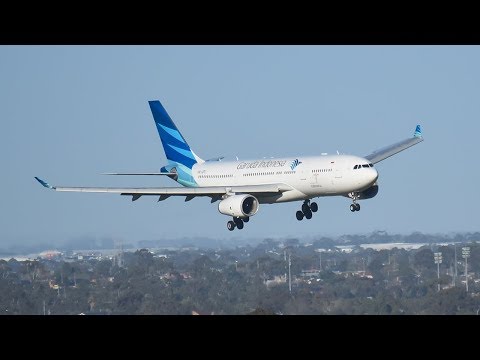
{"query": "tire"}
[(314, 207), (357, 207), (299, 215), (308, 214), (239, 224), (353, 208), (305, 208), (247, 219), (231, 225)]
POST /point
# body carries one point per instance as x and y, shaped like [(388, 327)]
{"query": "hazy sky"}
[(69, 113)]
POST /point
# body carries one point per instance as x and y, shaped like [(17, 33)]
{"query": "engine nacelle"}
[(371, 192), (239, 206)]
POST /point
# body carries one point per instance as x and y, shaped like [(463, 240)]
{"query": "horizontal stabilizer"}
[(160, 173), (216, 159)]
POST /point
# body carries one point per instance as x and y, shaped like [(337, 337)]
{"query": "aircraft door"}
[(337, 169)]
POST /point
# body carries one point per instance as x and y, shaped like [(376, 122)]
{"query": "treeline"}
[(247, 280)]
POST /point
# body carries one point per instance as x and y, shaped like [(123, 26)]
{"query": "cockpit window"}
[(363, 165)]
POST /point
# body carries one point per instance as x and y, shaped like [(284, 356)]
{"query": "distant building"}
[(277, 280), (311, 273), (360, 274), (50, 254)]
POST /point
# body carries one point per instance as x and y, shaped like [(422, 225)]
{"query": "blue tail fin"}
[(175, 146)]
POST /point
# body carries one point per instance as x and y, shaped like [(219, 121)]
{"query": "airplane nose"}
[(374, 174)]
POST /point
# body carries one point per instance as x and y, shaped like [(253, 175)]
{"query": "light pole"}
[(466, 255), (455, 274), (438, 260), (289, 274)]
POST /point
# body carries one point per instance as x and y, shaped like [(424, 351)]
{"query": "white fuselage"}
[(309, 177)]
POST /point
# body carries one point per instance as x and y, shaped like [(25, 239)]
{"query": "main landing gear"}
[(237, 223), (307, 210)]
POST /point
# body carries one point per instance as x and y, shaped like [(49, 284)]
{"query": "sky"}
[(69, 113)]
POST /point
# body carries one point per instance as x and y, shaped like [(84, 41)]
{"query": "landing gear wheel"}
[(314, 207), (357, 207), (299, 215), (239, 223), (308, 214), (246, 219), (353, 208), (305, 208), (230, 225)]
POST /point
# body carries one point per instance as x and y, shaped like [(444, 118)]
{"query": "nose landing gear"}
[(355, 206)]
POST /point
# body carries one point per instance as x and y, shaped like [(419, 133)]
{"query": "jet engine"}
[(369, 193), (239, 206)]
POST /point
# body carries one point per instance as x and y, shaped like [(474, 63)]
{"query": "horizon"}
[(210, 243)]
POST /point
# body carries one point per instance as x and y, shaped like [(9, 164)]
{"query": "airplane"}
[(241, 186)]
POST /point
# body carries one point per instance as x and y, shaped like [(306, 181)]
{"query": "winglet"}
[(44, 183), (418, 131)]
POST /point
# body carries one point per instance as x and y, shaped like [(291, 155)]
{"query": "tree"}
[(423, 259)]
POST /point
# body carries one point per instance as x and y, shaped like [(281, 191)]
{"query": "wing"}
[(390, 150), (165, 192)]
